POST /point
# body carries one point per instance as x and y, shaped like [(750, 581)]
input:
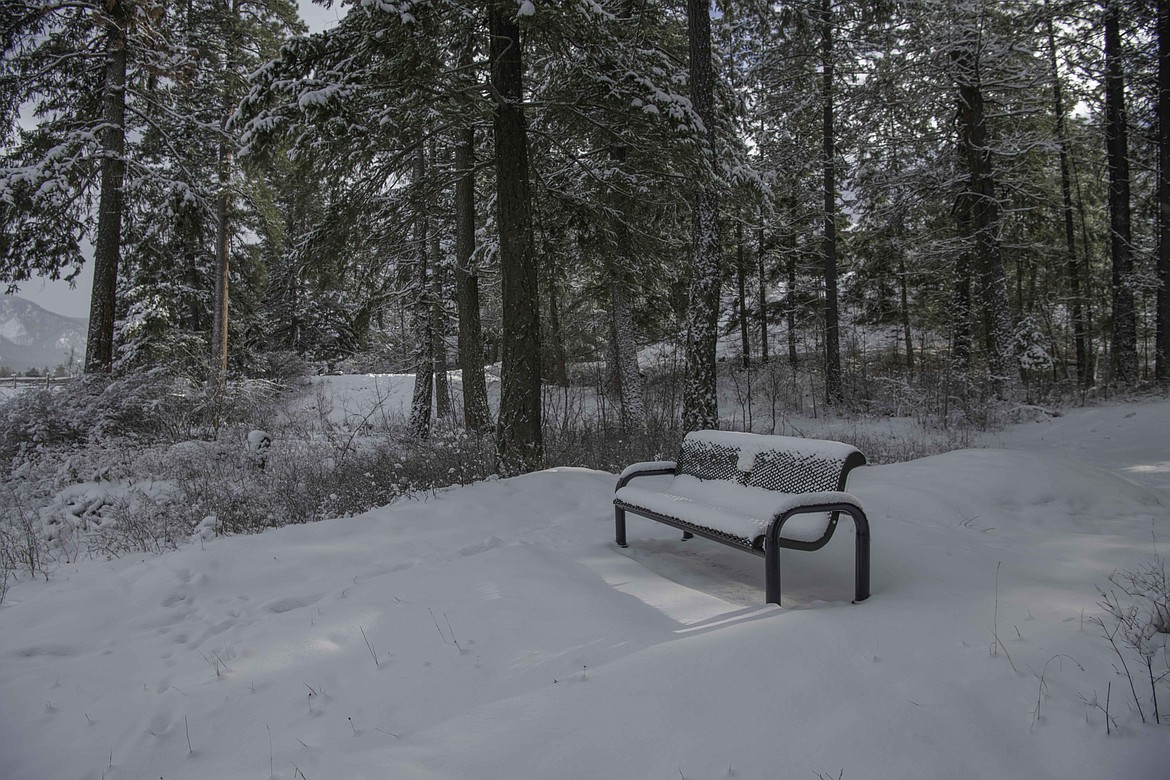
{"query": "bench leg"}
[(687, 535), (861, 584), (772, 574), (619, 526)]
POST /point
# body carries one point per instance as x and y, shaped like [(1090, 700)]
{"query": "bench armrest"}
[(803, 503), (651, 468)]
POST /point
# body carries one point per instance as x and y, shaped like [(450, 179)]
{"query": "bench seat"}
[(742, 512)]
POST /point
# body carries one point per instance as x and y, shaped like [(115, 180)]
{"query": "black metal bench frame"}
[(769, 545)]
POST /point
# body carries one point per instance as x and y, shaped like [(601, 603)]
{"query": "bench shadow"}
[(809, 580)]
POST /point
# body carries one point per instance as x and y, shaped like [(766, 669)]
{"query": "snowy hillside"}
[(495, 631)]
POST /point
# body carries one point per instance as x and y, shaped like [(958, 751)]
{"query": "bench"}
[(752, 492)]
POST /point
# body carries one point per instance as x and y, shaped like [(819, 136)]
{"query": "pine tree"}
[(75, 152)]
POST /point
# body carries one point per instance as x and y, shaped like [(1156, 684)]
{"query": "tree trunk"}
[(223, 214), (625, 344), (983, 217), (476, 416), (833, 390), (700, 408), (790, 297), (762, 310), (219, 321), (439, 328), (99, 350), (1072, 264), (421, 310), (556, 331), (961, 295), (519, 445), (904, 300), (1162, 338), (1124, 364), (741, 279)]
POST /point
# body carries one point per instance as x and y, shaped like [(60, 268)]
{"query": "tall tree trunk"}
[(745, 346), (476, 415), (1072, 264), (983, 216), (961, 295), (904, 301), (219, 321), (833, 390), (223, 208), (519, 445), (1124, 364), (99, 350), (700, 407), (790, 296), (556, 330), (421, 311), (439, 328), (1162, 338), (762, 306), (625, 354), (622, 332)]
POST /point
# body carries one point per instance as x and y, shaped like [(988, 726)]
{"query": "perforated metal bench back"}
[(781, 463), (710, 460)]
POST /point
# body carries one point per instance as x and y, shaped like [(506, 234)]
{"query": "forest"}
[(960, 200)]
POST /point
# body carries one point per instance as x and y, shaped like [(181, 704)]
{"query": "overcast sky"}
[(73, 301)]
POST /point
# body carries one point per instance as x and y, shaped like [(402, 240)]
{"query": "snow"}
[(495, 631)]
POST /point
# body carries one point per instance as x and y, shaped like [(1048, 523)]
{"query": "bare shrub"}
[(1137, 620)]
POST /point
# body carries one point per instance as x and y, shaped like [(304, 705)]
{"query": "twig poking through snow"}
[(995, 623), (369, 647)]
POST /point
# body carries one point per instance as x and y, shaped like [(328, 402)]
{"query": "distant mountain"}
[(31, 337)]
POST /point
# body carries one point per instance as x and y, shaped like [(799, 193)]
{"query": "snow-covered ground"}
[(495, 631)]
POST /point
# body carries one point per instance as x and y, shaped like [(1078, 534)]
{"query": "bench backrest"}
[(787, 464)]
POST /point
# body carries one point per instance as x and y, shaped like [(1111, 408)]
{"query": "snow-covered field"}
[(495, 631)]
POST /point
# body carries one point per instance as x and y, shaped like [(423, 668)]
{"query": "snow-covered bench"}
[(757, 493)]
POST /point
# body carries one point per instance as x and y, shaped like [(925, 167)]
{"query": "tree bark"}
[(476, 415), (99, 350), (519, 445), (833, 389), (1124, 364), (700, 408)]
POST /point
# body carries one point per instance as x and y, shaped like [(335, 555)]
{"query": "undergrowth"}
[(105, 467)]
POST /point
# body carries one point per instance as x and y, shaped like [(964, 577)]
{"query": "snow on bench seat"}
[(740, 511)]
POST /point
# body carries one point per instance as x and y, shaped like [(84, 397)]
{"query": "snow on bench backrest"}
[(787, 464)]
